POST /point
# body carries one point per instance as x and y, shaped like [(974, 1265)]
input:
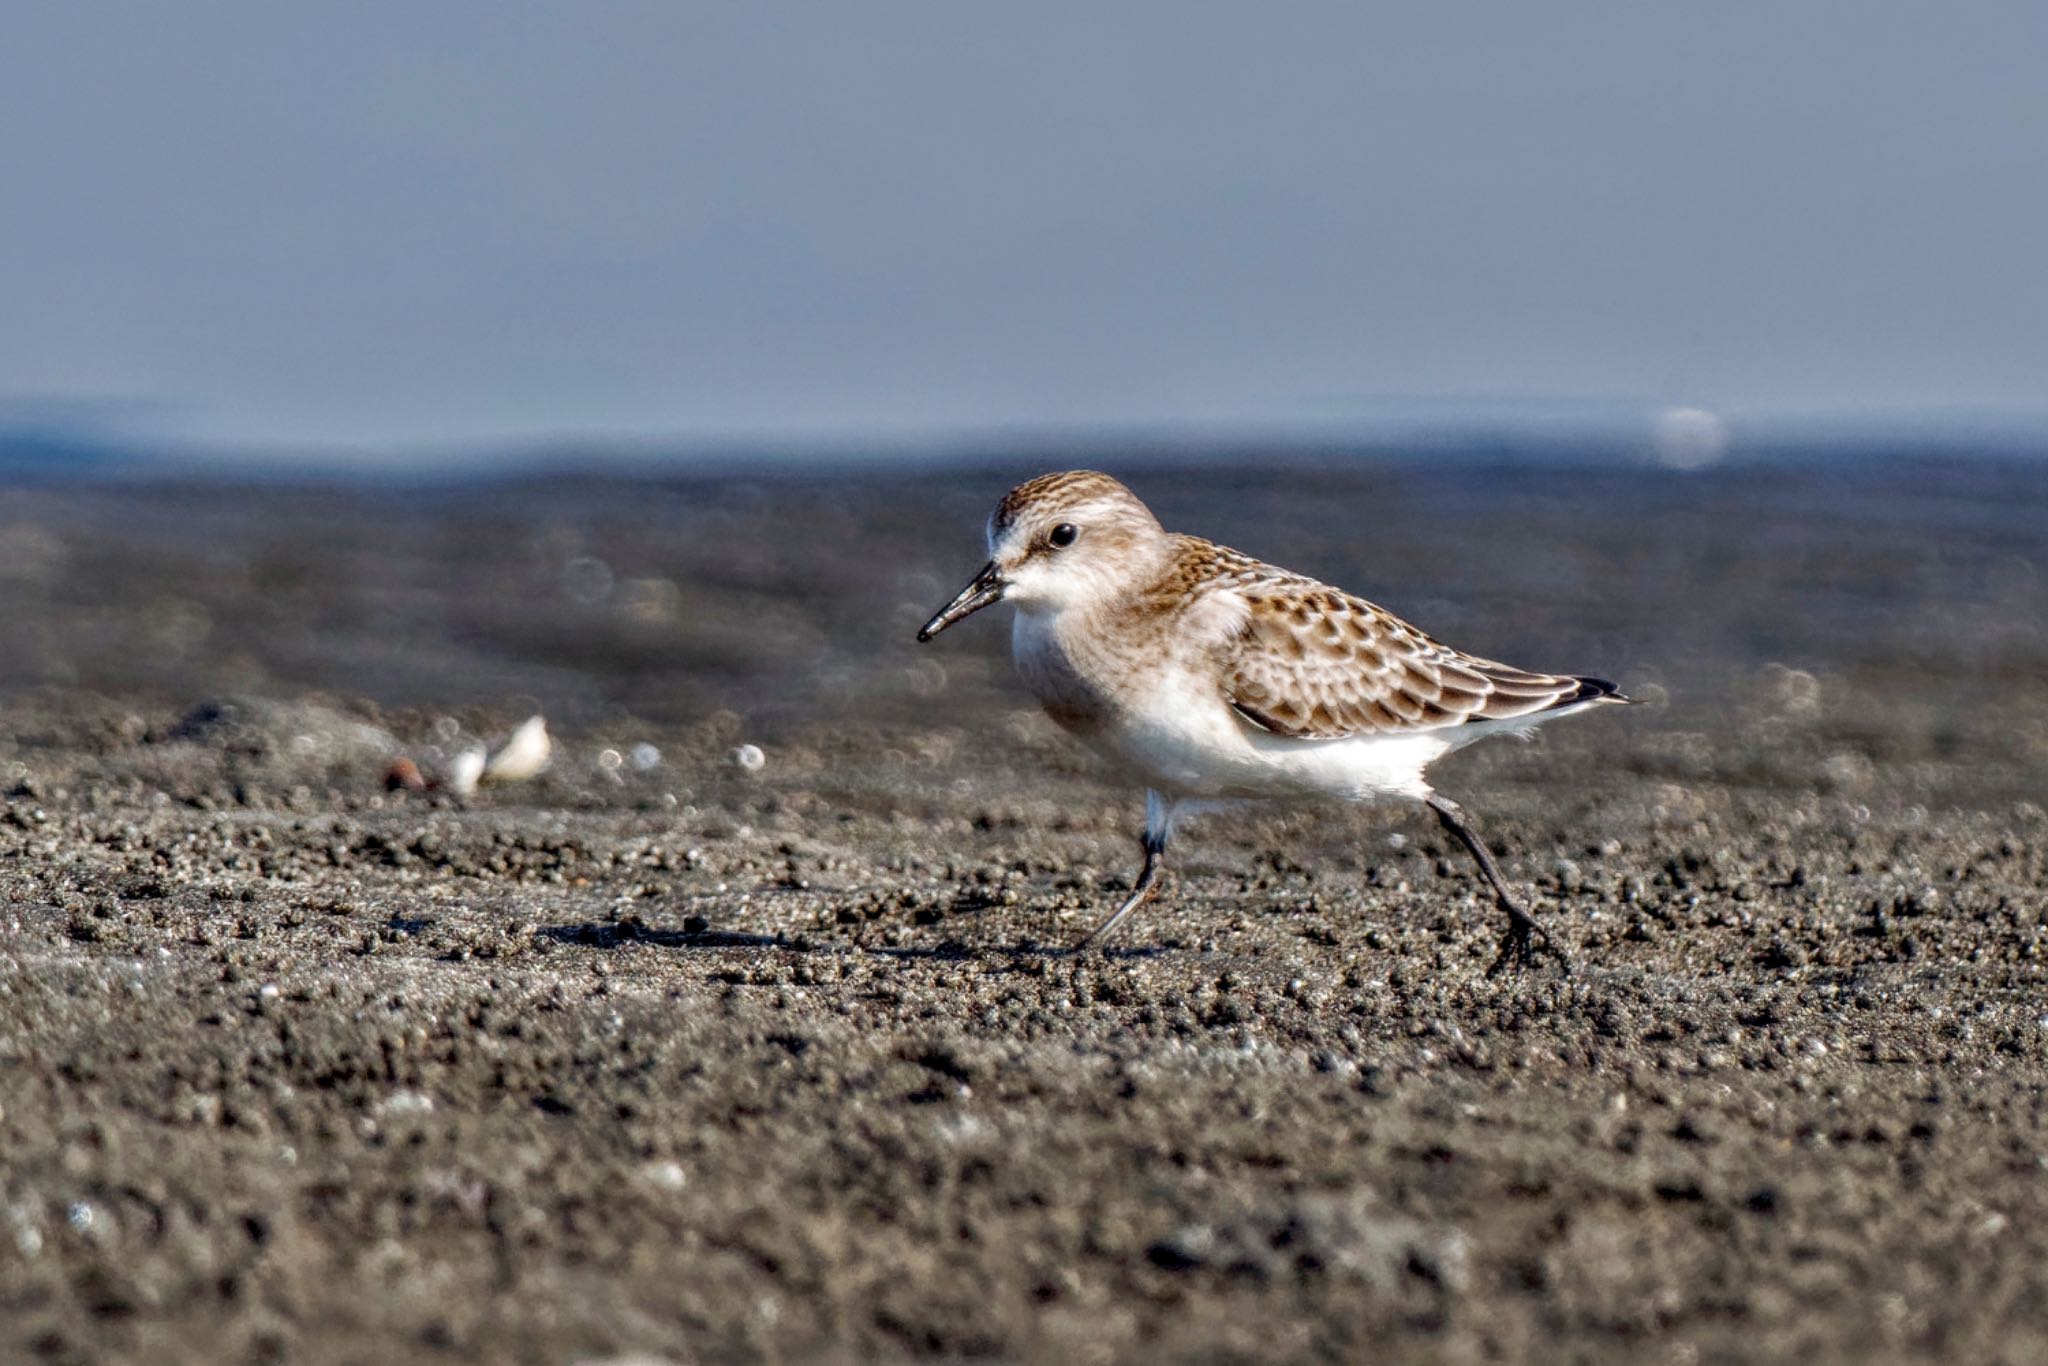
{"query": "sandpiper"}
[(1213, 677)]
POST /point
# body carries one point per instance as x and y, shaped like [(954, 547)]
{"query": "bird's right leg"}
[(1158, 825), (1525, 935)]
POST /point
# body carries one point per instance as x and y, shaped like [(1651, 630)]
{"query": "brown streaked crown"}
[(1051, 493)]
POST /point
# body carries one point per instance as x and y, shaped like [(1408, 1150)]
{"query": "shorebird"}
[(1212, 677)]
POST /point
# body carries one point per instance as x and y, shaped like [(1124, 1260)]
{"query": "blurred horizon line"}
[(56, 437)]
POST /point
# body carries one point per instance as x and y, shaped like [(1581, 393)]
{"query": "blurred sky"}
[(374, 223)]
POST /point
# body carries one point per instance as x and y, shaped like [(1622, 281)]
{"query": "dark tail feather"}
[(1591, 690)]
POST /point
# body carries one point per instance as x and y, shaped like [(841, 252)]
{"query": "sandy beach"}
[(662, 1057)]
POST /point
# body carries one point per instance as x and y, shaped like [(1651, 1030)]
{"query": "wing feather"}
[(1312, 662)]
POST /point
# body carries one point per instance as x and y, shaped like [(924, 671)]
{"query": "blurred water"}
[(794, 593), (1796, 625)]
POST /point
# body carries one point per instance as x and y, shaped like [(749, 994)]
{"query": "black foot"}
[(1525, 938), (1524, 942)]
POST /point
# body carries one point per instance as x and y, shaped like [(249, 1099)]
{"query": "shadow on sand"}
[(611, 935)]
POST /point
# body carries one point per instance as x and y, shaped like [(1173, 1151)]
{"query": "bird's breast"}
[(1131, 698), (1068, 681)]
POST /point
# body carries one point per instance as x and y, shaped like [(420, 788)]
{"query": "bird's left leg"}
[(1525, 935), (1158, 825)]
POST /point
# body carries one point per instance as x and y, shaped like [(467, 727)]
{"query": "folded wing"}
[(1312, 662)]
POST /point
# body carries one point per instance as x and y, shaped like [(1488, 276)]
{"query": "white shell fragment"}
[(464, 770), (749, 757), (522, 756)]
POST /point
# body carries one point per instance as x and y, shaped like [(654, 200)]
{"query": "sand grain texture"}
[(677, 1060)]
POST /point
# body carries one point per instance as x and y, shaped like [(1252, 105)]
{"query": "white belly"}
[(1199, 747), (1167, 726)]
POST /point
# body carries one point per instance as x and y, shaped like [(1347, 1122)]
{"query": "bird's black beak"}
[(987, 587)]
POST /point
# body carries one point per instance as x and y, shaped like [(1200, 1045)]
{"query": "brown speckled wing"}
[(1312, 662)]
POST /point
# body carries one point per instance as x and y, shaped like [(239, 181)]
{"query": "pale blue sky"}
[(376, 223)]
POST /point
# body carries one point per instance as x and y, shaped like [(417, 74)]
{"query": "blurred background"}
[(386, 233), (637, 363)]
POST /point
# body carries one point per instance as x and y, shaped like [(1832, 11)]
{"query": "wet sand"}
[(661, 1058)]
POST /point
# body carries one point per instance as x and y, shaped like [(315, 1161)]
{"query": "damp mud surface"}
[(663, 1057)]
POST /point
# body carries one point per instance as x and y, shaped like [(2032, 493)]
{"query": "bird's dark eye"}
[(1062, 535)]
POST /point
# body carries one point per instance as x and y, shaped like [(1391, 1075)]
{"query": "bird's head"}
[(1061, 542)]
